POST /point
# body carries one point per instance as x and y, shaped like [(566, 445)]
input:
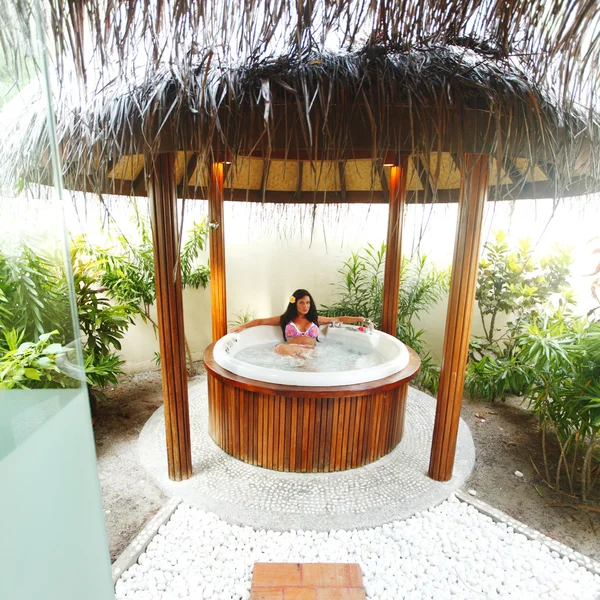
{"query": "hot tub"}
[(302, 421), (395, 355)]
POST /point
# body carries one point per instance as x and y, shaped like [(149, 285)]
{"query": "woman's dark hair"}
[(291, 312)]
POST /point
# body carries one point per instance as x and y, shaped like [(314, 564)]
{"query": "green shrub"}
[(128, 271), (127, 268), (32, 364), (546, 354), (561, 355), (32, 298), (35, 300), (111, 287), (360, 292), (102, 322), (513, 283)]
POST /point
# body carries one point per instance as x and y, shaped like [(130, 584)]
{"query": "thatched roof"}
[(311, 120)]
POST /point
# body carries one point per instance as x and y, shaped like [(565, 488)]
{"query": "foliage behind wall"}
[(547, 354), (112, 286), (422, 285)]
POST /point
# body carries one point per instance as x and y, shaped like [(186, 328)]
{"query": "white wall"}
[(270, 253), (264, 267)]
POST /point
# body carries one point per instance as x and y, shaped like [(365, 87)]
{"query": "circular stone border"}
[(391, 488)]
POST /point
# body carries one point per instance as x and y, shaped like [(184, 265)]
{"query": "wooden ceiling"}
[(431, 178)]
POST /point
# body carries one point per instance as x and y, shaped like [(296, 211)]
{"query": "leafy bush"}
[(111, 287), (546, 354), (102, 323), (561, 355), (595, 287), (31, 364), (32, 300), (128, 271), (360, 291), (34, 293), (513, 283)]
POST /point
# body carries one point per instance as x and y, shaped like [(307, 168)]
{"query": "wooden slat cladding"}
[(217, 252), (460, 310), (317, 429), (305, 434), (169, 308), (393, 254)]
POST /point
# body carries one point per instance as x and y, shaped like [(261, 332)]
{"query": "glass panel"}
[(53, 543)]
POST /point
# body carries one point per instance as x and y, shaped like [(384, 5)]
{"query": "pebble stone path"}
[(394, 487), (430, 544), (451, 551)]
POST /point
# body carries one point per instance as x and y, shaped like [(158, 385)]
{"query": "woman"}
[(299, 324)]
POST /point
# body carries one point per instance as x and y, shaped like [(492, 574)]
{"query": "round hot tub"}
[(288, 414)]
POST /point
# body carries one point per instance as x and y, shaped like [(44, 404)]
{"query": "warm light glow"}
[(390, 159), (395, 173)]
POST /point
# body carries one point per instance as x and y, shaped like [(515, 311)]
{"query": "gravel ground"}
[(450, 551), (505, 437)]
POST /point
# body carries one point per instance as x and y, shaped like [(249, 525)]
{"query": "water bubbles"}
[(327, 356)]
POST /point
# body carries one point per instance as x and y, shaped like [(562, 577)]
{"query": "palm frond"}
[(326, 81)]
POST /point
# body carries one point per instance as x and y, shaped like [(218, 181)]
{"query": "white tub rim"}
[(225, 358)]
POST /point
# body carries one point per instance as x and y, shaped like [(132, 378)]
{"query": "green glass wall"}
[(53, 543)]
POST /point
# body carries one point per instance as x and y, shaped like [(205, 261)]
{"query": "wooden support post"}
[(473, 193), (217, 251), (393, 254), (169, 306)]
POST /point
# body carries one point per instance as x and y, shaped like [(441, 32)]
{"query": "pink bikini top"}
[(292, 331)]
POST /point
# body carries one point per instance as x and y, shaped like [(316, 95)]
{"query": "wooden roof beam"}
[(423, 176), (299, 182), (139, 187), (342, 173), (188, 171)]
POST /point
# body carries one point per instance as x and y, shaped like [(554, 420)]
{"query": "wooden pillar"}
[(169, 306), (218, 292), (474, 188), (393, 254)]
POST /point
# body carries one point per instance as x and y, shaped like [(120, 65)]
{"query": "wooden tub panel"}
[(292, 429)]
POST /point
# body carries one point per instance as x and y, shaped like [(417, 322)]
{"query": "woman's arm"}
[(255, 323), (330, 320)]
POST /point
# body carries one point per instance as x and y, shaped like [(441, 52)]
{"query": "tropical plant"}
[(360, 288), (127, 270), (561, 355), (422, 286), (32, 300), (595, 287), (102, 323), (244, 316), (32, 364), (360, 292), (510, 282), (111, 287)]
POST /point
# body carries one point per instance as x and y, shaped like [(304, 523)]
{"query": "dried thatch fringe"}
[(557, 38), (422, 100)]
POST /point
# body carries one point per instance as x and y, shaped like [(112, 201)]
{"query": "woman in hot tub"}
[(299, 324)]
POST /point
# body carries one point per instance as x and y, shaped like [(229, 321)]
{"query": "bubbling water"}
[(327, 356)]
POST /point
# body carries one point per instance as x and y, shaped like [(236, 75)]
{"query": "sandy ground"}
[(505, 435)]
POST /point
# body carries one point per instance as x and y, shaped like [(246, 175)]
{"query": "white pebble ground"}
[(449, 551)]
